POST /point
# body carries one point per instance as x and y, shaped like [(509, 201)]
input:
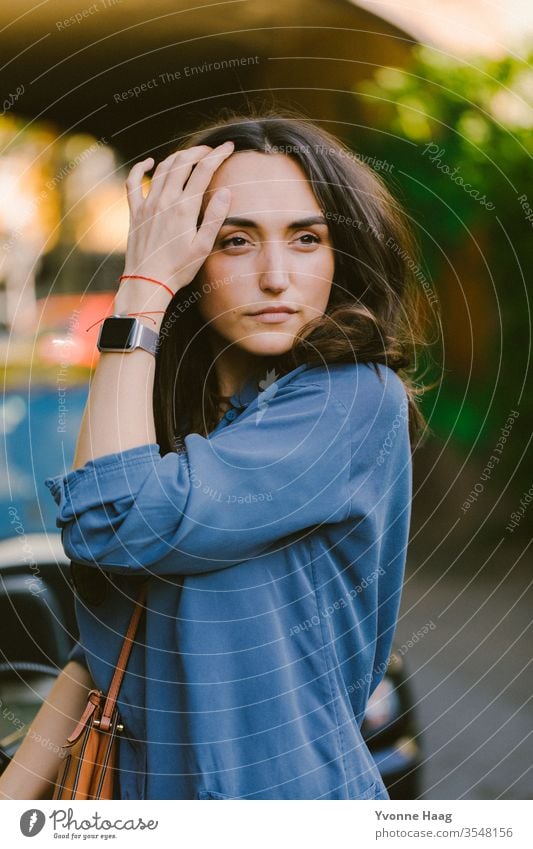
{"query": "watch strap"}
[(147, 339)]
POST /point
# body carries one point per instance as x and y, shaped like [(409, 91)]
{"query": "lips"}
[(273, 316), (273, 309)]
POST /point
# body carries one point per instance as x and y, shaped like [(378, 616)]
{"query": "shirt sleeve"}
[(274, 471), (77, 653)]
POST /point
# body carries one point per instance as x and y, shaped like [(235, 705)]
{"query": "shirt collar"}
[(246, 394), (251, 389)]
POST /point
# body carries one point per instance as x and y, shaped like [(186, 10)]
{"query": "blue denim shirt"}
[(274, 551)]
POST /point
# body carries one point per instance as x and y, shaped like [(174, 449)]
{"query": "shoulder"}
[(355, 400), (371, 403), (365, 387)]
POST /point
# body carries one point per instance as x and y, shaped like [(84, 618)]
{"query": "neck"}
[(234, 366)]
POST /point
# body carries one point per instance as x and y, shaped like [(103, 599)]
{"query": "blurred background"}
[(438, 99)]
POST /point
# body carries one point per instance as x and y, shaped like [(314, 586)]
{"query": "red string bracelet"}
[(128, 313), (150, 280)]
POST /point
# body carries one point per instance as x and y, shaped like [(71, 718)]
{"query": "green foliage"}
[(457, 137)]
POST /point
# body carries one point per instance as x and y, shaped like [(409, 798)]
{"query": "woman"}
[(256, 472)]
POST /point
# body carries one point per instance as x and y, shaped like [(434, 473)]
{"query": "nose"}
[(274, 274)]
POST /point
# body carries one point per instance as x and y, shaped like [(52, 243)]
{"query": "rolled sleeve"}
[(274, 471), (77, 653), (107, 479)]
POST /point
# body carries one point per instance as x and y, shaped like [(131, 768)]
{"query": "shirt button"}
[(230, 415)]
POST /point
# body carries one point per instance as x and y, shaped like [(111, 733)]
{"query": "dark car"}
[(37, 595), (389, 729), (38, 629)]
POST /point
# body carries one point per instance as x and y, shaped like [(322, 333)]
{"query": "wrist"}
[(137, 296), (135, 278), (151, 320)]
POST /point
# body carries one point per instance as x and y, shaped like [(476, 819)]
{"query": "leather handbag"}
[(90, 752)]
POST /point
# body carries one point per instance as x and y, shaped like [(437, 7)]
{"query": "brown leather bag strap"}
[(105, 720)]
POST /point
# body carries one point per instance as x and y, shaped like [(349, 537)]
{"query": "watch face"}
[(117, 333)]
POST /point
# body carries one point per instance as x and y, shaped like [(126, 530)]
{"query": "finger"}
[(158, 178), (202, 175), (214, 215), (176, 177), (178, 164), (134, 183)]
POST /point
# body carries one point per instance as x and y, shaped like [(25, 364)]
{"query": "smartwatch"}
[(125, 333)]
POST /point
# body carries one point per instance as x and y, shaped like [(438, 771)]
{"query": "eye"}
[(316, 239), (226, 242), (240, 241)]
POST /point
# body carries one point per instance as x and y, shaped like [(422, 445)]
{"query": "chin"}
[(268, 344)]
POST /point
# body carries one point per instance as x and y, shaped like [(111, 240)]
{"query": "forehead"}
[(262, 181)]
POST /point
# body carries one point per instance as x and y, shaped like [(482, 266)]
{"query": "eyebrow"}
[(295, 225)]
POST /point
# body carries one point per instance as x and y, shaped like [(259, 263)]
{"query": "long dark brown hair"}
[(375, 311)]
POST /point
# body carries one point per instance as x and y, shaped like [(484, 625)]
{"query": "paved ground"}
[(473, 674)]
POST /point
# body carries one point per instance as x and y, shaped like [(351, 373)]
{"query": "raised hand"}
[(164, 242)]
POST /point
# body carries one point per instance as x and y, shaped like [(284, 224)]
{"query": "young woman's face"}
[(273, 258)]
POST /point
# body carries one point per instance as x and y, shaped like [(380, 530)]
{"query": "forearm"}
[(165, 244), (32, 771), (119, 410)]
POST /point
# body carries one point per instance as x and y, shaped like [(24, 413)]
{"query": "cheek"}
[(218, 300), (211, 301), (319, 281), (322, 265), (328, 265)]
